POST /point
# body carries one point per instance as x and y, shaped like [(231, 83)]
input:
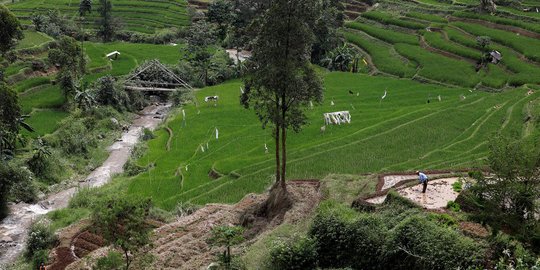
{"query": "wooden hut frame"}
[(155, 77)]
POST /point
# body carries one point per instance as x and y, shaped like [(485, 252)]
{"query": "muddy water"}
[(14, 228)]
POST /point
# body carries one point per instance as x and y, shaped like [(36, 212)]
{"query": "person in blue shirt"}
[(423, 180)]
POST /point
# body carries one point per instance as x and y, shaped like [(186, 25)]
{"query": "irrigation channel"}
[(14, 228)]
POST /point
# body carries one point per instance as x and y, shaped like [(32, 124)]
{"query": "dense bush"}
[(40, 237), (113, 261), (23, 188), (75, 139), (109, 93), (344, 242), (397, 235), (417, 243), (294, 254)]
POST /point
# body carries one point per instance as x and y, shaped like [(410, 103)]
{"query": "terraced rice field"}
[(136, 15), (401, 132), (435, 41)]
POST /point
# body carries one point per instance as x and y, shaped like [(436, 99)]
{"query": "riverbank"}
[(14, 228)]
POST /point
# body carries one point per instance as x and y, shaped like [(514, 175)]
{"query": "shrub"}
[(342, 242), (40, 237), (131, 168), (443, 219), (417, 243), (22, 189), (453, 206), (457, 186), (147, 135), (112, 261), (40, 257), (75, 139), (185, 209), (297, 253), (85, 198)]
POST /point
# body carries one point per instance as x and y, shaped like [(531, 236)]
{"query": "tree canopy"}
[(10, 30), (282, 80)]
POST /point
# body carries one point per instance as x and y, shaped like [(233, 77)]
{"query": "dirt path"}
[(14, 228), (183, 244)]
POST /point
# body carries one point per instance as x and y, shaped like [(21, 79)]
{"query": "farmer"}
[(423, 180), (42, 266)]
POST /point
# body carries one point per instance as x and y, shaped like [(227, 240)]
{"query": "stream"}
[(14, 228)]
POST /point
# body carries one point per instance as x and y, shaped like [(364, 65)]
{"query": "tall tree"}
[(282, 80), (85, 7), (327, 36), (220, 13), (10, 30), (10, 116), (69, 58), (200, 37), (106, 23)]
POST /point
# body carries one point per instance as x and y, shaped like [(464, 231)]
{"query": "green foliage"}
[(389, 36), (436, 40), (294, 254), (417, 243), (226, 236), (453, 206), (443, 219), (53, 23), (147, 135), (382, 55), (40, 238), (67, 56), (107, 26), (220, 13), (10, 115), (185, 209), (522, 44), (108, 92), (201, 36), (342, 58), (113, 261), (74, 139), (387, 18), (281, 81), (85, 6), (357, 243), (23, 188), (11, 30), (438, 67), (457, 186), (427, 17), (122, 222), (326, 29)]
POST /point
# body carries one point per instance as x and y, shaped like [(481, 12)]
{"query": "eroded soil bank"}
[(14, 228)]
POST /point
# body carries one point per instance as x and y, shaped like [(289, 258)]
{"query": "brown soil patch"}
[(183, 244), (473, 229)]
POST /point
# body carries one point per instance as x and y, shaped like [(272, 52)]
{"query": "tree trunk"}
[(283, 158), (127, 258)]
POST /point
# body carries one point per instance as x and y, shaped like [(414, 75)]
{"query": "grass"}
[(389, 36), (382, 54), (140, 16), (44, 121), (32, 39), (382, 137), (49, 96)]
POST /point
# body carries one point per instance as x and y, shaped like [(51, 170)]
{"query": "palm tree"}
[(84, 97)]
